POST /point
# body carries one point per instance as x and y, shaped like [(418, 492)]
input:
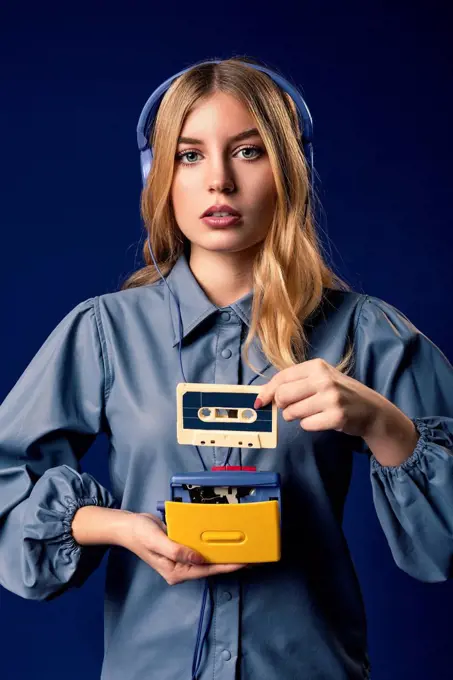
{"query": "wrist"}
[(392, 436), (96, 525)]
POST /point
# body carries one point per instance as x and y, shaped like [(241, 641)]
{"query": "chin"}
[(223, 245), (226, 241)]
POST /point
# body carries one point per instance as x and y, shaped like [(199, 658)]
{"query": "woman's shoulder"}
[(337, 298), (133, 298), (353, 312), (336, 305), (368, 317)]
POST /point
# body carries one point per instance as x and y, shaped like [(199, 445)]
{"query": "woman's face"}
[(212, 168)]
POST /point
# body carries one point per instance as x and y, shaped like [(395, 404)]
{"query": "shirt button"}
[(225, 316), (226, 353), (227, 596), (226, 655)]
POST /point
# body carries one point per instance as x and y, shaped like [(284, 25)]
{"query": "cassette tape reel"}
[(223, 415)]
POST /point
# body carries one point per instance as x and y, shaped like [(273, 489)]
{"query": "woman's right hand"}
[(145, 535)]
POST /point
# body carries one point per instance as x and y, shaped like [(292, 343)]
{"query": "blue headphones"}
[(150, 109)]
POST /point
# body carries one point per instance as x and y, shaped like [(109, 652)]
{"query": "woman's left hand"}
[(324, 399)]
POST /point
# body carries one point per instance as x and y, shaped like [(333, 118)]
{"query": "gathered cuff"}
[(52, 558)]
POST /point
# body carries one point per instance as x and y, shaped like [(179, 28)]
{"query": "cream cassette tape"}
[(223, 415)]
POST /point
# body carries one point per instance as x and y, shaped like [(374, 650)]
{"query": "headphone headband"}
[(150, 109)]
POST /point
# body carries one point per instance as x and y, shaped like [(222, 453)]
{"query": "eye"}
[(252, 148), (185, 154)]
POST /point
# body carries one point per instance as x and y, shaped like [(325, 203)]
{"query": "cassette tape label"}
[(219, 411)]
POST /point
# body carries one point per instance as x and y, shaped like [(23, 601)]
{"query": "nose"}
[(222, 187), (220, 178)]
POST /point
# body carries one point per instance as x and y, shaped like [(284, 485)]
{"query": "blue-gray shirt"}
[(112, 366)]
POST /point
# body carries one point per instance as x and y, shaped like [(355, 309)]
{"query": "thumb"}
[(176, 551)]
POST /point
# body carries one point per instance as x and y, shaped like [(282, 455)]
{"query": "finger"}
[(178, 572), (304, 408), (294, 391), (327, 420), (190, 571), (211, 569), (195, 570), (267, 392), (305, 369), (176, 552)]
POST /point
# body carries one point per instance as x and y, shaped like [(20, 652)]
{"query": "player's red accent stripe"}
[(232, 468)]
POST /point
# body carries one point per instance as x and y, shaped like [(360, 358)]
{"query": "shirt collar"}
[(194, 304)]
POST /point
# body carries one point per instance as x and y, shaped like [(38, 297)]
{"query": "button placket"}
[(227, 610), (227, 613)]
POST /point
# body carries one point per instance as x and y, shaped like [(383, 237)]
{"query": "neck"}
[(224, 277)]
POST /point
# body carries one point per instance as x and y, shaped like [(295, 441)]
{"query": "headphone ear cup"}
[(146, 161)]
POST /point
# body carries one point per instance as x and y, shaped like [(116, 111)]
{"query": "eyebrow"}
[(251, 132)]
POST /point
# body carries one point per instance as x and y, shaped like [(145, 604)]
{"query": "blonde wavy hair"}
[(289, 271)]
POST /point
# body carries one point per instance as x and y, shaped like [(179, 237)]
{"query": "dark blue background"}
[(377, 78)]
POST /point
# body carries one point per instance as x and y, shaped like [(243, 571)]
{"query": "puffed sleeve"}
[(414, 500), (47, 422)]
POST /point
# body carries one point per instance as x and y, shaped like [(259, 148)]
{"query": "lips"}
[(220, 222), (221, 208)]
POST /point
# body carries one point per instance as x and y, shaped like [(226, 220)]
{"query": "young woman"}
[(258, 305)]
